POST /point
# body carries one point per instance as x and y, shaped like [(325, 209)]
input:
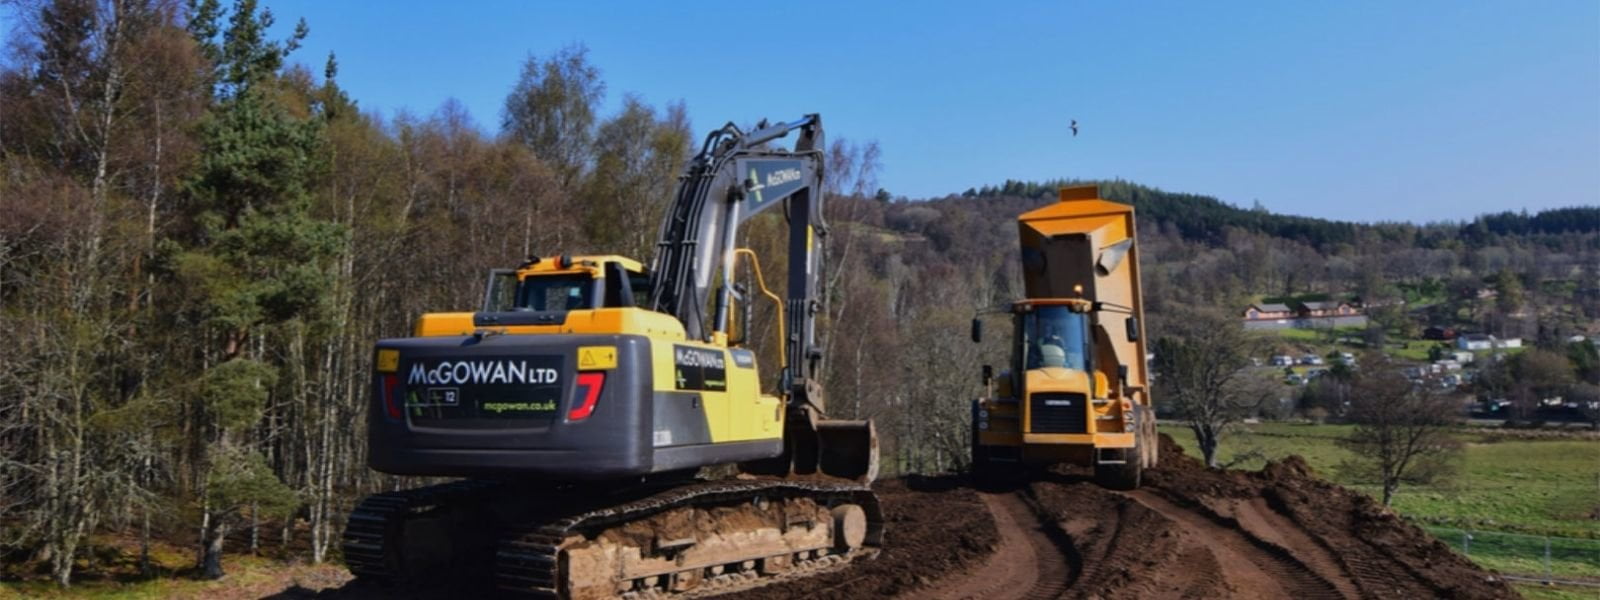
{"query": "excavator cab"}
[(562, 283)]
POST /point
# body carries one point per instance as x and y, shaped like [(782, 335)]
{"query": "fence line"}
[(1541, 558)]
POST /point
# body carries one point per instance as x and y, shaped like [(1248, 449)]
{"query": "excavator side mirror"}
[(977, 331), (988, 375)]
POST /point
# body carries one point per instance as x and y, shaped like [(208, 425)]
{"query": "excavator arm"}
[(733, 178), (736, 176)]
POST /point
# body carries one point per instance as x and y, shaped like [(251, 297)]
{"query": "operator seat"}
[(1051, 355)]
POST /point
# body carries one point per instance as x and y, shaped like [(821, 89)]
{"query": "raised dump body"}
[(1077, 387)]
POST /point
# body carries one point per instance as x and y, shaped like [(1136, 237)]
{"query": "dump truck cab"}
[(1051, 403)]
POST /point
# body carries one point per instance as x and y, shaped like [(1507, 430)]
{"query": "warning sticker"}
[(594, 358)]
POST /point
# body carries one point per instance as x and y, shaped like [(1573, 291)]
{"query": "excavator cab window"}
[(1054, 336), (574, 291)]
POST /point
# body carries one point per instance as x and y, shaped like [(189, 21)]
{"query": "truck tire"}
[(981, 472), (1127, 476)]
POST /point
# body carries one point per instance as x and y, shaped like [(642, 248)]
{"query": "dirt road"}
[(1029, 561)]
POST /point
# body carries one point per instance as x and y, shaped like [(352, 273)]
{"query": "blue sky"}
[(1353, 110)]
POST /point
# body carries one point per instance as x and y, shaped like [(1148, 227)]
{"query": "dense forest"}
[(201, 238)]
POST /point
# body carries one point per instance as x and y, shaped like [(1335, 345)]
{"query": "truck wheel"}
[(981, 472), (1126, 475)]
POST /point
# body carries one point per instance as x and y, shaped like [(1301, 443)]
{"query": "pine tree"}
[(254, 258)]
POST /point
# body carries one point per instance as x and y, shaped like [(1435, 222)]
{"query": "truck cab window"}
[(1055, 338)]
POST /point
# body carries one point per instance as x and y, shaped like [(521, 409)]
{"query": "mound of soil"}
[(1194, 532), (1279, 532), (1387, 555)]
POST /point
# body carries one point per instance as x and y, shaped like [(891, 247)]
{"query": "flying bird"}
[(1074, 128)]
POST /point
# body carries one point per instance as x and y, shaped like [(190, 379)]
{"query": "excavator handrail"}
[(761, 282)]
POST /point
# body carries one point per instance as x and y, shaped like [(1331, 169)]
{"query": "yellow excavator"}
[(1076, 390), (580, 404)]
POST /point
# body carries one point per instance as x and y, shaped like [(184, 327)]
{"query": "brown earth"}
[(1190, 532), (938, 524), (934, 527)]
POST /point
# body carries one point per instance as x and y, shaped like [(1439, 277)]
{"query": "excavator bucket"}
[(848, 449)]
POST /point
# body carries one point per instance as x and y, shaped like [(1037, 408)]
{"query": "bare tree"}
[(1204, 373), (552, 110), (1402, 432)]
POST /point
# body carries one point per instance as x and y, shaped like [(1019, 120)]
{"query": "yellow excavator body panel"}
[(735, 410)]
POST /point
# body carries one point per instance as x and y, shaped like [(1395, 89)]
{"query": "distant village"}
[(1304, 315), (1444, 358)]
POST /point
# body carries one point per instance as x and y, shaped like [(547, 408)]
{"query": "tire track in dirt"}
[(1280, 574), (1028, 563), (1259, 519)]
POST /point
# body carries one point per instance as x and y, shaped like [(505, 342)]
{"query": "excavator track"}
[(373, 538), (694, 540), (683, 540)]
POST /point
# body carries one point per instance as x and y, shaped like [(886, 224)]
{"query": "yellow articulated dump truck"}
[(1076, 390)]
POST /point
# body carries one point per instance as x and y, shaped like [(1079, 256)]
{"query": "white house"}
[(1474, 341), (1483, 341), (1506, 343)]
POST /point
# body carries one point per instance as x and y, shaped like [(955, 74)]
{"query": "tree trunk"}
[(211, 552), (255, 529), (145, 570), (1207, 440)]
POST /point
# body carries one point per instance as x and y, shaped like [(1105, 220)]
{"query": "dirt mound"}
[(1189, 532), (1386, 555), (1278, 531)]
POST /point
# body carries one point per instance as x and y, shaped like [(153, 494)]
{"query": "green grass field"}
[(247, 577), (1536, 591)]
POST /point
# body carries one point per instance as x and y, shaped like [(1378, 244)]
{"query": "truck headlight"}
[(983, 413), (983, 425)]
